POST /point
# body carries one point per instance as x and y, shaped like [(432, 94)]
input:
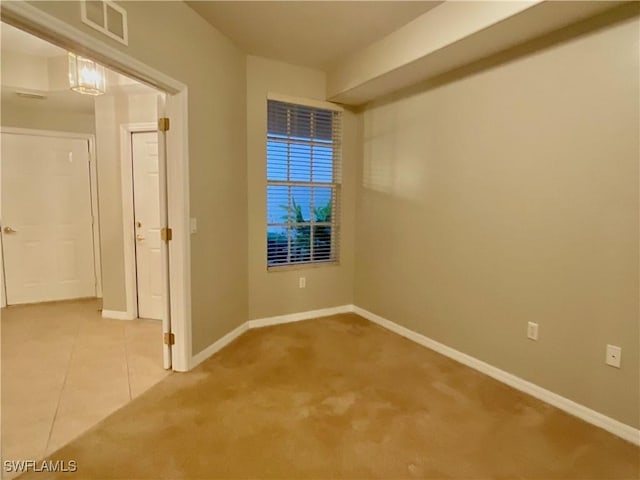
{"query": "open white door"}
[(164, 224)]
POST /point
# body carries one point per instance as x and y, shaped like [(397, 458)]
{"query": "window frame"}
[(335, 186)]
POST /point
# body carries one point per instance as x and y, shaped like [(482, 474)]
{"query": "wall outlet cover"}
[(614, 356), (532, 331)]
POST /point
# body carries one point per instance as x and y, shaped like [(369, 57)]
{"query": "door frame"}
[(128, 232), (39, 23), (93, 190)]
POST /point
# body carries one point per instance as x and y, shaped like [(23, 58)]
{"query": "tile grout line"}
[(64, 383)]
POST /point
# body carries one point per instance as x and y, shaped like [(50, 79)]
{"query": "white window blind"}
[(304, 156)]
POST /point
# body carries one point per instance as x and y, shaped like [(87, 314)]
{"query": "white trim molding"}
[(177, 145), (598, 419), (117, 315), (263, 322), (278, 97), (297, 317), (218, 345)]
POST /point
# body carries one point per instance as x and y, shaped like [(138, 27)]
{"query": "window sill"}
[(302, 266)]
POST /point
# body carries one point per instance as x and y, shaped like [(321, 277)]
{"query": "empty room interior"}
[(320, 239)]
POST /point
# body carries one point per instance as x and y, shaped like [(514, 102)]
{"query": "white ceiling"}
[(310, 33), (15, 40)]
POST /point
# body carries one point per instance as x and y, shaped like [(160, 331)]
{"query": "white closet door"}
[(146, 198), (46, 219)]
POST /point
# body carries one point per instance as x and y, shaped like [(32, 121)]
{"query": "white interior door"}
[(147, 221), (47, 233)]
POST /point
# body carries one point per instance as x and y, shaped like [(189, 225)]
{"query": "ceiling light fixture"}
[(86, 76)]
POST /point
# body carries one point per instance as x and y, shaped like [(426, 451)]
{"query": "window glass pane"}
[(276, 118), (323, 125), (277, 245), (300, 243), (321, 242), (277, 204), (276, 160), (300, 122), (301, 204), (322, 204), (322, 164), (300, 163)]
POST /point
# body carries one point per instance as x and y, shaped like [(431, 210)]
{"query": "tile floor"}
[(64, 368)]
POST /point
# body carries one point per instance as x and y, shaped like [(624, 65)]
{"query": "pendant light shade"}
[(86, 76)]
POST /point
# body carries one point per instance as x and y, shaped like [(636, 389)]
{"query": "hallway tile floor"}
[(65, 368)]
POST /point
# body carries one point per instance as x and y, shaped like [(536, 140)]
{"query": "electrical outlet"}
[(532, 331), (302, 282), (614, 355)]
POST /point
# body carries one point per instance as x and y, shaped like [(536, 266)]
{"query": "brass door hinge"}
[(163, 124), (166, 234), (169, 339)]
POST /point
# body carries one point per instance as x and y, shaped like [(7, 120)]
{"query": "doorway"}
[(174, 143), (80, 366)]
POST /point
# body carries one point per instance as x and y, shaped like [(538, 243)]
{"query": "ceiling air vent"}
[(34, 96), (106, 17)]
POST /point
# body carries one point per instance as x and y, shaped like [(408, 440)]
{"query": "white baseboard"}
[(201, 356), (263, 322), (296, 317), (609, 424), (117, 315)]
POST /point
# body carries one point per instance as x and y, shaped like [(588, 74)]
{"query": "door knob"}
[(139, 237), (9, 230)]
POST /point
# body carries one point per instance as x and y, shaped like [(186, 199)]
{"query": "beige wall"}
[(277, 292), (113, 111), (191, 51), (511, 195), (36, 114)]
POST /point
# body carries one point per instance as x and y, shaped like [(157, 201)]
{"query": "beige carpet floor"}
[(340, 397)]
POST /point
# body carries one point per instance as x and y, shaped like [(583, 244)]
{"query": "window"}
[(303, 183)]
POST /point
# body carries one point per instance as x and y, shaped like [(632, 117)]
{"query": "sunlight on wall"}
[(387, 166)]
